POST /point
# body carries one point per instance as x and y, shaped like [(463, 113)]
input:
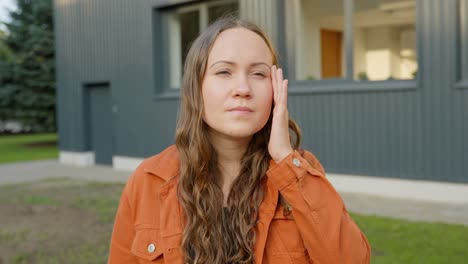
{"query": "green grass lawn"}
[(70, 221), (398, 241), (14, 148)]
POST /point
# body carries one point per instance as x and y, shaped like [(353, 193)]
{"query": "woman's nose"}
[(243, 87)]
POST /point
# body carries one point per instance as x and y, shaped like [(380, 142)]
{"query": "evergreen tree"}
[(27, 85), (6, 98), (5, 52)]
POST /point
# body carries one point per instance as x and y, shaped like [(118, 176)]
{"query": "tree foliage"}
[(27, 84), (5, 52)]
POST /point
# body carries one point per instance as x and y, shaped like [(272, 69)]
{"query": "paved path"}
[(37, 170), (355, 202)]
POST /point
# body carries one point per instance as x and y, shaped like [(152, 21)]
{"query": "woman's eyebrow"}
[(260, 63), (233, 63), (227, 62)]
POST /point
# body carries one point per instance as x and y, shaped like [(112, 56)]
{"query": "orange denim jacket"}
[(149, 222)]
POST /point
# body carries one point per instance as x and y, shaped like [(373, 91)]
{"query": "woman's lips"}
[(240, 109)]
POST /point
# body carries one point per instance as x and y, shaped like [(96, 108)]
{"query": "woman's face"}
[(237, 89)]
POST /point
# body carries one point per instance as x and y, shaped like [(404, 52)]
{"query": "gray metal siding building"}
[(115, 69)]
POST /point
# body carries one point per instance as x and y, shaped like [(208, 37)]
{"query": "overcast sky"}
[(4, 6)]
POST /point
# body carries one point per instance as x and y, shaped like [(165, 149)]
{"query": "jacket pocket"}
[(284, 241), (147, 244)]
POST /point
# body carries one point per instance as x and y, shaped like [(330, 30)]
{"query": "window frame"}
[(164, 42), (346, 83)]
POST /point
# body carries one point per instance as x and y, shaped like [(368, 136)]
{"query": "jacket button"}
[(151, 248), (296, 162)]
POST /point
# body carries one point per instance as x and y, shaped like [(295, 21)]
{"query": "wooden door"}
[(331, 45)]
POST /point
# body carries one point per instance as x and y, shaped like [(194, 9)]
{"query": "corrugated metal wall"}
[(441, 144), (414, 129), (110, 41), (461, 96)]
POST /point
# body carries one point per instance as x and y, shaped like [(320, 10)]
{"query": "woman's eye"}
[(222, 73), (259, 74)]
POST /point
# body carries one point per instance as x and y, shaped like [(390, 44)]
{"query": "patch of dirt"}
[(52, 143), (55, 183), (43, 233)]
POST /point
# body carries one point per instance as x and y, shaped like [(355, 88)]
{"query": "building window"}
[(185, 24), (384, 40), (319, 40), (381, 44)]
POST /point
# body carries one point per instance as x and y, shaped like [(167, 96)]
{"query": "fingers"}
[(284, 96), (274, 83), (280, 86), (279, 79)]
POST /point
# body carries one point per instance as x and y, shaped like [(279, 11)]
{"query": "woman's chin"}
[(240, 133)]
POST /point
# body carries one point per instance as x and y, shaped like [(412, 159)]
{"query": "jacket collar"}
[(165, 165)]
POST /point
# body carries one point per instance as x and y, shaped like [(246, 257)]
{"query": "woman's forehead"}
[(240, 45)]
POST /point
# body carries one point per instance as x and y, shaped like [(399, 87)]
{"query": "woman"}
[(234, 189)]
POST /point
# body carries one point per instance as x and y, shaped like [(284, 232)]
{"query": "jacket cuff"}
[(293, 167)]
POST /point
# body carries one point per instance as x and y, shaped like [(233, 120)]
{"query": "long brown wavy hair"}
[(214, 235)]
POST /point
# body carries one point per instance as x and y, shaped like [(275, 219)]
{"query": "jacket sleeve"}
[(329, 233), (123, 233)]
